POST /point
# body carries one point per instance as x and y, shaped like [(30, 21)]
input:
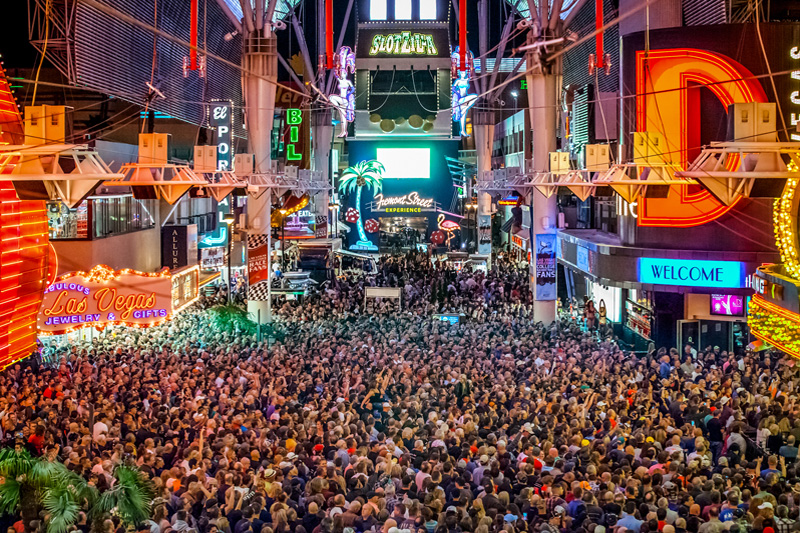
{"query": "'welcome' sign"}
[(692, 273)]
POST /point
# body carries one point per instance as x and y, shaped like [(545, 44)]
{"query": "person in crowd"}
[(375, 416)]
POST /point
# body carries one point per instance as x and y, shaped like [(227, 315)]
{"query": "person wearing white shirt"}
[(99, 428)]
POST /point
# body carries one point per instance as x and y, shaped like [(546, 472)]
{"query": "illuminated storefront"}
[(661, 296), (682, 255), (105, 297)]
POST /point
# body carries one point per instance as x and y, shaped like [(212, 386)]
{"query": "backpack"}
[(580, 515), (611, 520)]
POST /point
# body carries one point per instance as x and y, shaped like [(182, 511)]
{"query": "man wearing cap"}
[(477, 474)]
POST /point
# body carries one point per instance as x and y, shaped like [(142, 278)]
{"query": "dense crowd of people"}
[(376, 417)]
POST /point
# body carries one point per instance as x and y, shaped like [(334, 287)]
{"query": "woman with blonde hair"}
[(279, 518), (763, 432), (477, 512)]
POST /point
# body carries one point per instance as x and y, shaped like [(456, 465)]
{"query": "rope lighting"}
[(784, 217)]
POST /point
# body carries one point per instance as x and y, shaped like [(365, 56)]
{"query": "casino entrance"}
[(402, 233)]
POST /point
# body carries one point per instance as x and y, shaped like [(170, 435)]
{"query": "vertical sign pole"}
[(329, 33), (462, 34), (598, 16), (193, 35)]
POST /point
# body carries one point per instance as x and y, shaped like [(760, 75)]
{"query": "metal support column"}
[(542, 108)]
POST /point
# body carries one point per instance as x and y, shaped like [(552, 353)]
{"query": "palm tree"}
[(130, 497), (29, 485), (364, 174), (232, 317)]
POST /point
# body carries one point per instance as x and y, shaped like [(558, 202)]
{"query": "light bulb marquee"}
[(774, 325), (768, 321), (103, 297), (784, 217)]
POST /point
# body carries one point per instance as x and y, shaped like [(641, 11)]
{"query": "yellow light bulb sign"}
[(403, 43), (294, 119)]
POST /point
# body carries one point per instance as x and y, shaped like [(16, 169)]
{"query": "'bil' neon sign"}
[(404, 43), (294, 118)]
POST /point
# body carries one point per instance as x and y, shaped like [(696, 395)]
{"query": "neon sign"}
[(663, 78), (461, 99), (345, 101), (294, 117), (221, 120), (26, 260), (403, 43), (410, 199), (220, 236), (691, 273), (103, 297)]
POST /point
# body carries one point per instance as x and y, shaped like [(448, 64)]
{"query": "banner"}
[(485, 234), (545, 266), (178, 246), (257, 267), (104, 296)]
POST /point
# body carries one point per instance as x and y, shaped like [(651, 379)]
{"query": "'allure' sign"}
[(104, 296)]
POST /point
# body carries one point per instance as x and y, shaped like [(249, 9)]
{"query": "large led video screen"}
[(405, 163)]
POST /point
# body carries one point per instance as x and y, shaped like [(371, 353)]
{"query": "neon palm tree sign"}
[(367, 174)]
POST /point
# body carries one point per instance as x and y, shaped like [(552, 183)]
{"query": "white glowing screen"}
[(405, 163), (377, 9)]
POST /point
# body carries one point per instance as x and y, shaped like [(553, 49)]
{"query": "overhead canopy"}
[(282, 9), (523, 6)]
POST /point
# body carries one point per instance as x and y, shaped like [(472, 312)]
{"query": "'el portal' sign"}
[(222, 121)]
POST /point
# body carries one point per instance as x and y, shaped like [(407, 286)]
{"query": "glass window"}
[(66, 223), (402, 9), (114, 216), (427, 9), (377, 9)]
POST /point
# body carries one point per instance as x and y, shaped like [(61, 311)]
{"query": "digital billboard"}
[(405, 163)]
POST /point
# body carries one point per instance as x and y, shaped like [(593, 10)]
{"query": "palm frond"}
[(104, 504), (376, 167), (14, 464), (80, 489), (373, 181), (10, 492), (61, 507), (230, 317), (351, 186), (43, 472), (369, 171), (132, 496), (347, 178)]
